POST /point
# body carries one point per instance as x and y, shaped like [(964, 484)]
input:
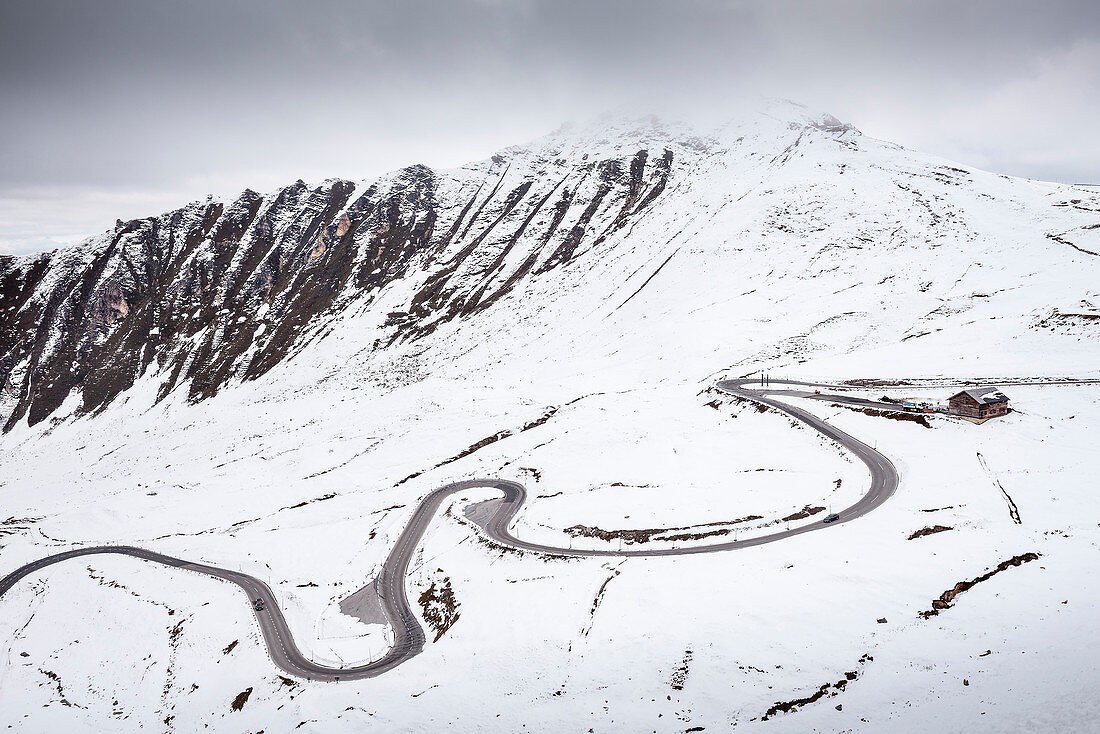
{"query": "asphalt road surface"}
[(407, 632)]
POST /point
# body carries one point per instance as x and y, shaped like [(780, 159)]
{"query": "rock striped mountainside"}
[(221, 291), (225, 290)]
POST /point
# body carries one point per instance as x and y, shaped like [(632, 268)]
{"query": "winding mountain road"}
[(496, 522)]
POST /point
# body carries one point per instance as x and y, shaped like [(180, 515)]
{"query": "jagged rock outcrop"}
[(217, 291)]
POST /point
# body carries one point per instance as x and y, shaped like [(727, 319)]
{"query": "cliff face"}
[(218, 291)]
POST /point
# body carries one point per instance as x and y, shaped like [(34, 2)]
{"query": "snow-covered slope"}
[(272, 383)]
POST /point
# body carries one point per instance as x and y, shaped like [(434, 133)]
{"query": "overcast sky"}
[(114, 109)]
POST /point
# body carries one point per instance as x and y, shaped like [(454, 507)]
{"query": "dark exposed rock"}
[(918, 418), (945, 599), (929, 531), (439, 606), (216, 292), (239, 701), (823, 691), (644, 535), (802, 514)]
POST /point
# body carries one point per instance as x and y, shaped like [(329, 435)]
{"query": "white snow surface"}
[(778, 246)]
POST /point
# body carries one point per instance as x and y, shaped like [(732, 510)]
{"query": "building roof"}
[(984, 395)]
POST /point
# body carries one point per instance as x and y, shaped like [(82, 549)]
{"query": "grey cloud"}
[(178, 98)]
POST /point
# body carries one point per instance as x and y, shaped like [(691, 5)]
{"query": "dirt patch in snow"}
[(802, 514), (679, 676), (694, 532), (239, 701), (322, 498), (945, 599), (60, 688), (16, 525), (826, 690), (760, 407), (918, 418), (872, 382), (439, 606), (644, 535), (929, 531), (539, 421)]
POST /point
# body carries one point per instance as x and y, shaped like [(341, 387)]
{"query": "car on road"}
[(833, 517), (258, 605)]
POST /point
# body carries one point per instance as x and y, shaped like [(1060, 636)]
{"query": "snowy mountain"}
[(271, 383), (222, 291)]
